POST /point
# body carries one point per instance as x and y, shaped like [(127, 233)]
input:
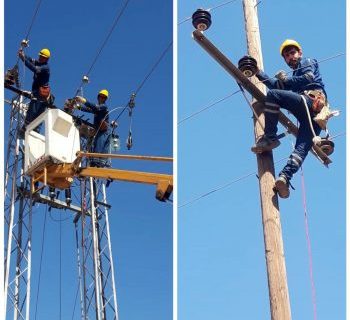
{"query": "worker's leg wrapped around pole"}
[(294, 103), (302, 147)]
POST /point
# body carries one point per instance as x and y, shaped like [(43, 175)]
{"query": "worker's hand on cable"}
[(80, 99)]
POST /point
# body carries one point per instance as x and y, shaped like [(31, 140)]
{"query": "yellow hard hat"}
[(45, 53), (288, 43), (103, 92)]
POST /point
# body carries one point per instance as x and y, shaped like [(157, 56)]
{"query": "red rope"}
[(308, 245)]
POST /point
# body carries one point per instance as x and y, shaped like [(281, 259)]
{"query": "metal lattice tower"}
[(94, 253), (18, 218), (97, 282)]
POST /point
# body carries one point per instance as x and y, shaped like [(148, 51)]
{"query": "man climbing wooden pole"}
[(274, 253)]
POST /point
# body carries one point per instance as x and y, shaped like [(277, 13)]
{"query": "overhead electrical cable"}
[(147, 76), (116, 20), (209, 9), (221, 187), (228, 96), (318, 62), (208, 107), (33, 18)]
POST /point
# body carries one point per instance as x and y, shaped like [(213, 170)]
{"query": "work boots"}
[(282, 186), (265, 144)]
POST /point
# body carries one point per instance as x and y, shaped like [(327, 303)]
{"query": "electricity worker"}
[(101, 139), (301, 91), (42, 97)]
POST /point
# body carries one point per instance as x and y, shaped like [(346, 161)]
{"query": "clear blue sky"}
[(141, 227), (221, 269)]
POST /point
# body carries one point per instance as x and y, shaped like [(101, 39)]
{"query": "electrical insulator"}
[(132, 101), (25, 43), (129, 141), (201, 19), (115, 142), (248, 66)]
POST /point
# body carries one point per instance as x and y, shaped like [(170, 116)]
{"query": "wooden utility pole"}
[(274, 253)]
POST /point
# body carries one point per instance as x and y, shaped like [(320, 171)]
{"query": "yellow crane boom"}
[(61, 175)]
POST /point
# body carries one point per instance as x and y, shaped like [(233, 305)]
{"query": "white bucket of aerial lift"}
[(59, 144)]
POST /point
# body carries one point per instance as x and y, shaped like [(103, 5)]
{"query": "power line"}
[(154, 66), (221, 5), (209, 9), (224, 186), (116, 20), (207, 107), (226, 97), (221, 187), (147, 76), (33, 18), (317, 62)]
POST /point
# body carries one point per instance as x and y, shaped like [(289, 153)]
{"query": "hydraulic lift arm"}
[(164, 182), (62, 175)]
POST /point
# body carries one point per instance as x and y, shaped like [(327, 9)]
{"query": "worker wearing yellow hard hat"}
[(41, 91), (45, 53), (302, 93), (101, 142), (40, 68), (103, 93), (289, 43)]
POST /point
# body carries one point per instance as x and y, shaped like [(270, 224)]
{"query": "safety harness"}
[(321, 108)]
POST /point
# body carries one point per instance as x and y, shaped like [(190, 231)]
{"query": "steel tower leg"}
[(100, 299), (18, 215)]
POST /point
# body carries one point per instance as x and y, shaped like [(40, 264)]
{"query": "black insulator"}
[(327, 146), (248, 66), (201, 19)]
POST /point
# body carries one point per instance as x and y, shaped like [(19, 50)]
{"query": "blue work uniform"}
[(41, 73), (101, 142), (288, 95), (41, 77)]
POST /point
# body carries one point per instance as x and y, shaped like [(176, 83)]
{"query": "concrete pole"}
[(274, 253)]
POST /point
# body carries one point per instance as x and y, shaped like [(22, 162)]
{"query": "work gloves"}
[(80, 99), (282, 78)]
